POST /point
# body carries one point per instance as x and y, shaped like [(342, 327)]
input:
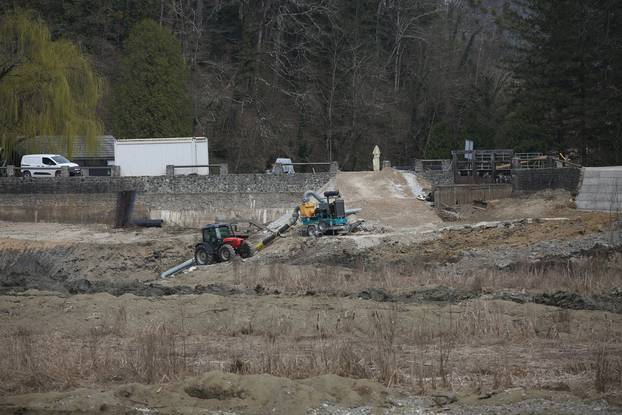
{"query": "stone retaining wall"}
[(245, 183), (187, 201)]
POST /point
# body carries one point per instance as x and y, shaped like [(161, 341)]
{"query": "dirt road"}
[(386, 197)]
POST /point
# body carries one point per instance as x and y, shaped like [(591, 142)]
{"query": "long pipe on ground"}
[(268, 239), (177, 268)]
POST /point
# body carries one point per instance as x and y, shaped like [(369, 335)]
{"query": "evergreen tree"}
[(151, 99), (46, 87), (564, 75)]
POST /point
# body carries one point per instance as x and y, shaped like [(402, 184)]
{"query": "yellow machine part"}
[(307, 209)]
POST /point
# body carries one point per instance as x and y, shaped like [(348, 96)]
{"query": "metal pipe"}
[(177, 268)]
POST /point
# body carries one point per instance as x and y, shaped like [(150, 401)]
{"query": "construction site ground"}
[(516, 307)]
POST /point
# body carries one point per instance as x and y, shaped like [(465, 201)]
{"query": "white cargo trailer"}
[(150, 156)]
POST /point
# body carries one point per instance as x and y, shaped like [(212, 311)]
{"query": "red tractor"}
[(221, 244)]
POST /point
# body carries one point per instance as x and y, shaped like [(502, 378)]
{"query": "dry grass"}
[(586, 276), (476, 345)]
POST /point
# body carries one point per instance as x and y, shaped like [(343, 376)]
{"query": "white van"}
[(47, 165)]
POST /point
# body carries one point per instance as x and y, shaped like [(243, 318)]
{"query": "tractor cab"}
[(217, 232), (220, 244)]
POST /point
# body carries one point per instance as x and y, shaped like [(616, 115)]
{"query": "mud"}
[(611, 302), (34, 265)]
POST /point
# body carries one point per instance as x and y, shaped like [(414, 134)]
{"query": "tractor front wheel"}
[(202, 257), (226, 253), (313, 230), (246, 250)]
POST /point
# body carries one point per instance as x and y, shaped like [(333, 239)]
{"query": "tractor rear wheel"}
[(246, 250), (202, 257), (226, 253)]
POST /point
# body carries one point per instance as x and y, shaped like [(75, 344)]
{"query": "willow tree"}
[(47, 87)]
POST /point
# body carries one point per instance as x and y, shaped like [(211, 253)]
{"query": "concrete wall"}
[(533, 180), (461, 194), (194, 210), (187, 201), (64, 208), (601, 189)]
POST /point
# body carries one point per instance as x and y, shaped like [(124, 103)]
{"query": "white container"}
[(150, 156)]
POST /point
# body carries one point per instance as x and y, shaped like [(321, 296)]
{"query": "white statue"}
[(376, 160)]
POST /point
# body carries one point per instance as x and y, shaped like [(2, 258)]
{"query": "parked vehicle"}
[(282, 165), (47, 165)]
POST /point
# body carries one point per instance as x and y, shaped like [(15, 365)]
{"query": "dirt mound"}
[(214, 391), (386, 198), (546, 203)]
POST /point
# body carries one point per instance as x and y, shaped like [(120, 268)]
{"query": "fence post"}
[(334, 167), (85, 171), (170, 170), (115, 171), (224, 169)]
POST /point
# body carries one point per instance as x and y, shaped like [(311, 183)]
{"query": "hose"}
[(310, 193)]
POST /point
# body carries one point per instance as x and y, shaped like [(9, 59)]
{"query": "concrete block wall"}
[(533, 180), (601, 189)]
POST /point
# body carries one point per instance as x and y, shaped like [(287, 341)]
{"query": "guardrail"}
[(223, 169), (333, 166)]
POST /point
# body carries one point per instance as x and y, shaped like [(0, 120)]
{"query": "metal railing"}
[(333, 166), (223, 169)]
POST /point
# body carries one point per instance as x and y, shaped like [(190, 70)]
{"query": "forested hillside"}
[(329, 79)]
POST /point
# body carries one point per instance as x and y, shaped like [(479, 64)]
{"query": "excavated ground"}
[(520, 314)]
